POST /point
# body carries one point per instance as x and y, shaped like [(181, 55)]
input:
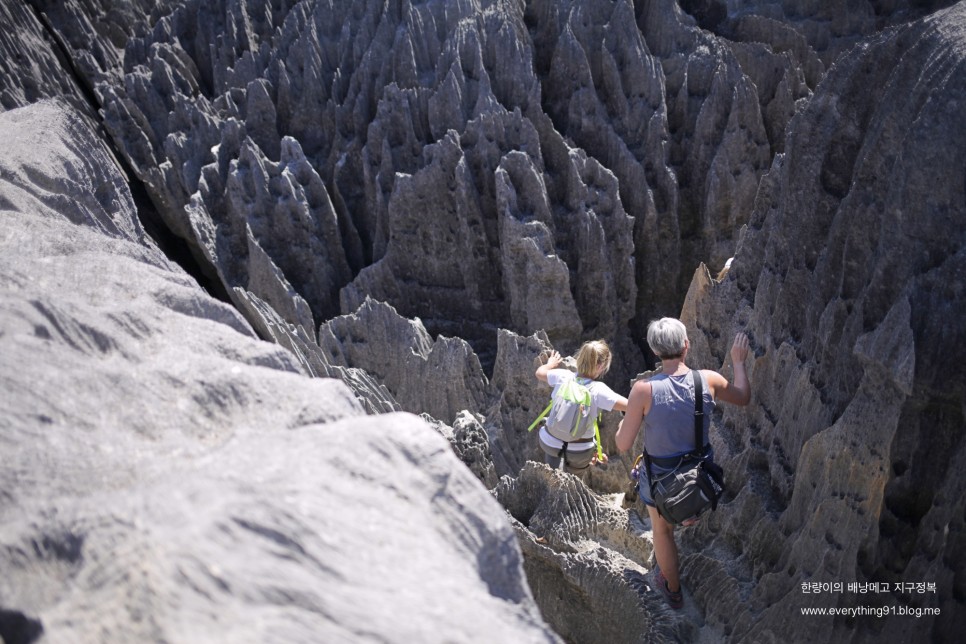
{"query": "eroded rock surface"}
[(519, 166), (450, 190), (30, 69), (587, 561), (168, 476), (441, 377), (848, 279)]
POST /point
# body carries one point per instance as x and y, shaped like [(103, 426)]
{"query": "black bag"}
[(696, 483)]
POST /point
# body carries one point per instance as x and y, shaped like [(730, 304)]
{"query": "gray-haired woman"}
[(664, 407)]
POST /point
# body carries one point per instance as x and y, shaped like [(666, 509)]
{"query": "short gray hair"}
[(666, 337)]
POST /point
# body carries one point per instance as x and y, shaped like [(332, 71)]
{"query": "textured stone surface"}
[(440, 378), (587, 561), (718, 142), (168, 476), (30, 69), (528, 179), (848, 280), (829, 28), (471, 443), (415, 179)]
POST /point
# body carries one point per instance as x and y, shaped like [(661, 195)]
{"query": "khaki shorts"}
[(577, 460)]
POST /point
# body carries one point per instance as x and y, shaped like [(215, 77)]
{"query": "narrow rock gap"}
[(708, 13), (63, 55), (174, 247)]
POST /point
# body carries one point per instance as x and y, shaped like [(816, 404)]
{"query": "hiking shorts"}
[(644, 486), (578, 455)]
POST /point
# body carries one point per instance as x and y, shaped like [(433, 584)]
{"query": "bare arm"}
[(620, 405), (637, 405), (739, 391), (552, 363)]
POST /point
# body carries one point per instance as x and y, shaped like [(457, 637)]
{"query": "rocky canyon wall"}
[(848, 278), (167, 476), (419, 199)]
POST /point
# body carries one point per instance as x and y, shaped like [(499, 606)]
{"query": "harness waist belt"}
[(672, 461)]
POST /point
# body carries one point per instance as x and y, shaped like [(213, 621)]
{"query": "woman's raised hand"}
[(739, 350)]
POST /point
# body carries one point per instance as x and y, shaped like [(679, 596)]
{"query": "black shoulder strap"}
[(698, 411), (698, 425)]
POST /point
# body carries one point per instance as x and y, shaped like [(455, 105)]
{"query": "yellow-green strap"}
[(600, 452), (540, 417)]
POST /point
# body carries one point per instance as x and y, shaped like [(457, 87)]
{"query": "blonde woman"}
[(593, 361)]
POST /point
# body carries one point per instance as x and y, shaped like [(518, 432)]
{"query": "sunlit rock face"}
[(169, 476), (421, 200), (479, 165), (848, 278), (298, 163)]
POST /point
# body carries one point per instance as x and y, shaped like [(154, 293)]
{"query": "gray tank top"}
[(669, 425)]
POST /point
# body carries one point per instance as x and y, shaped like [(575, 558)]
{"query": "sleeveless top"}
[(669, 425)]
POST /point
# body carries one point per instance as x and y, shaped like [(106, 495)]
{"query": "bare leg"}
[(665, 549)]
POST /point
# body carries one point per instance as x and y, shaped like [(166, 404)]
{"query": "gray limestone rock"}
[(168, 476), (474, 240), (604, 90), (685, 114), (588, 561), (266, 224), (471, 443), (829, 28), (30, 66), (415, 179), (520, 400), (441, 377), (847, 281), (202, 128), (780, 38), (718, 141), (371, 394)]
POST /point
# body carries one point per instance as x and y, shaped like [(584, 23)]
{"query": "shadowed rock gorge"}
[(276, 276)]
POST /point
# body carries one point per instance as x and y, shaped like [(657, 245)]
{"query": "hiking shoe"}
[(675, 600)]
